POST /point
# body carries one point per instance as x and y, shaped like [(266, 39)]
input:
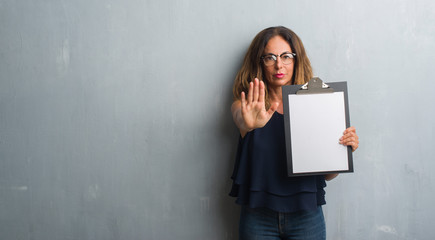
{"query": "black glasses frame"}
[(275, 57)]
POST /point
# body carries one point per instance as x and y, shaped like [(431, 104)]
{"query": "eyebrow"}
[(276, 54)]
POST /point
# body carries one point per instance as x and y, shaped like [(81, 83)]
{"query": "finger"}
[(349, 135), (354, 147), (262, 92), (250, 92), (243, 98), (273, 108), (256, 89), (345, 140), (349, 130)]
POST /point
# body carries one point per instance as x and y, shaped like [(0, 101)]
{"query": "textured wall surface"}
[(115, 115)]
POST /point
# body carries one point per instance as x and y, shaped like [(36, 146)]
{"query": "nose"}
[(278, 63)]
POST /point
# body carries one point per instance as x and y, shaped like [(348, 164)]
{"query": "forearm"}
[(329, 177)]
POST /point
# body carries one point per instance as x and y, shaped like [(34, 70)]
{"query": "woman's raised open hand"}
[(251, 112)]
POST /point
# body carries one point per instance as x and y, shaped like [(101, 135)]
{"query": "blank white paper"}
[(317, 122)]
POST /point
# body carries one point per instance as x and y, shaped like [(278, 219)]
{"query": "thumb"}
[(273, 108)]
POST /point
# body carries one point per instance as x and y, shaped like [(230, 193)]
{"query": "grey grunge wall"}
[(115, 116)]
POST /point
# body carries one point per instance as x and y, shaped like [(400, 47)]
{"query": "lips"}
[(279, 75)]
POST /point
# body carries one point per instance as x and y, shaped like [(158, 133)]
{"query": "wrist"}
[(247, 129)]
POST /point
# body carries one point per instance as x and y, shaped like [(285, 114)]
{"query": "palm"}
[(254, 111)]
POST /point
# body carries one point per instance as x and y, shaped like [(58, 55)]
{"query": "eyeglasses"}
[(270, 59)]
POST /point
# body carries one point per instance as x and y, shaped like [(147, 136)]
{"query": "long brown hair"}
[(252, 67)]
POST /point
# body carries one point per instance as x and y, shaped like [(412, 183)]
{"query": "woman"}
[(274, 206)]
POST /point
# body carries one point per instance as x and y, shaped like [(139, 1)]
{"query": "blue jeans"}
[(265, 224)]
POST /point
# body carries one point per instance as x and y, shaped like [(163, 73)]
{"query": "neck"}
[(275, 94)]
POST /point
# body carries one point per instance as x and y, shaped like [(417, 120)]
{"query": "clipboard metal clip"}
[(315, 85)]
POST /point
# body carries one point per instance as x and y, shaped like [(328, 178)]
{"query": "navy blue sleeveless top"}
[(260, 173)]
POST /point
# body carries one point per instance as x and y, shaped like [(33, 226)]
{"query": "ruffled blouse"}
[(260, 173)]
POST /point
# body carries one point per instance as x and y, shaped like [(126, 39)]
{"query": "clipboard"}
[(315, 116)]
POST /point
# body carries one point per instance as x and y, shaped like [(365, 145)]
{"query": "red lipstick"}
[(279, 75)]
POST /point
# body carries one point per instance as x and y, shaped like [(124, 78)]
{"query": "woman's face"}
[(278, 74)]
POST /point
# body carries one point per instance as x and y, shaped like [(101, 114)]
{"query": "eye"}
[(269, 58), (287, 56)]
